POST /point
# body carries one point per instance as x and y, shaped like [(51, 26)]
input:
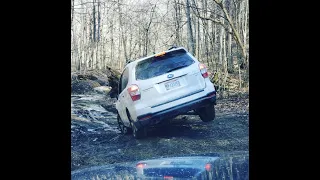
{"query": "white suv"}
[(163, 86)]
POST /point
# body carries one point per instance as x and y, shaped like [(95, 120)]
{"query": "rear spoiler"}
[(173, 48)]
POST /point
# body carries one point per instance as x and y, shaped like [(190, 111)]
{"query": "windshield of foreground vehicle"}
[(156, 66)]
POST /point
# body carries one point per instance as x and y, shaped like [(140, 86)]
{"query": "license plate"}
[(172, 84)]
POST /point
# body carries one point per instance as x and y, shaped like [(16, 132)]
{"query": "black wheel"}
[(137, 133), (207, 113), (121, 126)]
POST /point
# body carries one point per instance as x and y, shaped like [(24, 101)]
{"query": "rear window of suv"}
[(156, 66)]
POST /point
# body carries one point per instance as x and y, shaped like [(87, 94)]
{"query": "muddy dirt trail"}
[(96, 140)]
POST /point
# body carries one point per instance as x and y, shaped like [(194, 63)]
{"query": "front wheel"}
[(207, 113)]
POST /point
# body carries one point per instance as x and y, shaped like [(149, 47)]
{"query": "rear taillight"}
[(145, 117), (211, 94), (168, 177), (134, 92), (141, 165), (203, 70), (208, 167)]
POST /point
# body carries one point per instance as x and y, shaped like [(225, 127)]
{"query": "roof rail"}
[(172, 47)]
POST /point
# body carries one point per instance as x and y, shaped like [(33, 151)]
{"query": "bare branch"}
[(201, 9), (215, 21), (83, 3)]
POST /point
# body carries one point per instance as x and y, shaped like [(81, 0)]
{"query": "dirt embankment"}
[(90, 81)]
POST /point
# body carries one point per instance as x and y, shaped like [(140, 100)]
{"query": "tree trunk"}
[(224, 53), (198, 46), (212, 46), (235, 33), (112, 44), (139, 42), (205, 31), (190, 36), (180, 26), (130, 46), (146, 43), (98, 34), (177, 23), (234, 30), (230, 58), (245, 28), (239, 71), (225, 67), (221, 46), (119, 51), (94, 21), (97, 56), (72, 14), (124, 43), (86, 43), (147, 29)]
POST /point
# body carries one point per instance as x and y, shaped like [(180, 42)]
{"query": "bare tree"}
[(190, 36), (234, 31), (123, 37), (110, 32), (147, 30)]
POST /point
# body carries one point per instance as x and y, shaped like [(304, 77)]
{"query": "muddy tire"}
[(207, 113), (137, 133), (123, 129)]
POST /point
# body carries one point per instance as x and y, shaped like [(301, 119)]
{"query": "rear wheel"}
[(137, 133), (121, 126), (207, 113)]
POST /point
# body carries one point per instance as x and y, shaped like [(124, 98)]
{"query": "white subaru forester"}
[(163, 86)]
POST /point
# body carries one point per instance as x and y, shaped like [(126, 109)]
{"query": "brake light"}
[(168, 177), (208, 167), (211, 94), (203, 70), (134, 92), (146, 117), (141, 165)]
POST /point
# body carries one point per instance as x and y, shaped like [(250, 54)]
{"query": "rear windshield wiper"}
[(179, 67)]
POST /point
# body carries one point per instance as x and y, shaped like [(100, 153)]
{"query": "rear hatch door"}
[(168, 77)]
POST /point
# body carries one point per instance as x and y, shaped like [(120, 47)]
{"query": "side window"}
[(124, 79)]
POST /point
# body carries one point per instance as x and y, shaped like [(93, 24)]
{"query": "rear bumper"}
[(155, 118)]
